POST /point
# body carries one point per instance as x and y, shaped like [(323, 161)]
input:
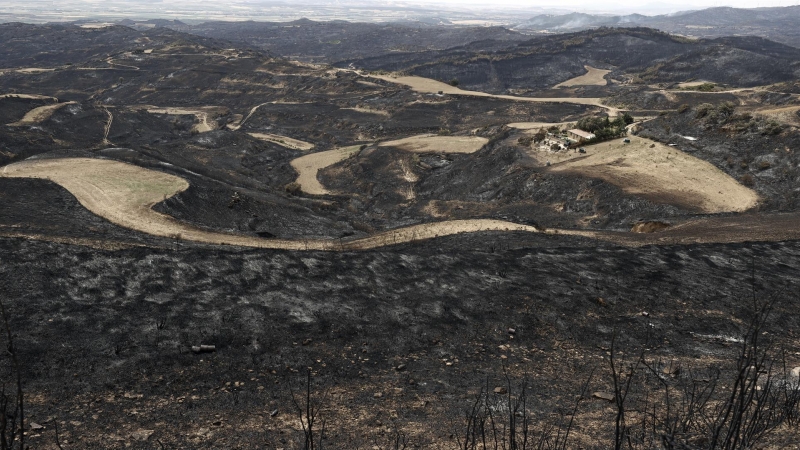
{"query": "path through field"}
[(107, 128)]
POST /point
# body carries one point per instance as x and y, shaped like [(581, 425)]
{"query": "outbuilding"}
[(579, 135)]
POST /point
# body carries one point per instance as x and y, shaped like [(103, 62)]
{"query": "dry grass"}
[(431, 143), (536, 126), (690, 84), (28, 96), (283, 141), (593, 77), (370, 110), (307, 167), (40, 114), (785, 115), (202, 113), (659, 173), (33, 70), (124, 194), (429, 86)]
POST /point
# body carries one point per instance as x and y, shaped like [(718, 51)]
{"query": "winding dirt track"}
[(125, 194)]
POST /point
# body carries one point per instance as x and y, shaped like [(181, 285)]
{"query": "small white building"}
[(579, 135)]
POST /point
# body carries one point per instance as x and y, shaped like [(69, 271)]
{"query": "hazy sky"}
[(587, 5), (499, 11)]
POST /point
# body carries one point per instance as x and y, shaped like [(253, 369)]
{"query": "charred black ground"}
[(402, 337)]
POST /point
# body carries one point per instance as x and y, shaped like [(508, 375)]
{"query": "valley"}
[(196, 230)]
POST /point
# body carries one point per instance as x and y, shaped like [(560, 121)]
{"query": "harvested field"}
[(431, 143), (786, 115), (284, 141), (690, 84), (307, 167), (202, 114), (124, 194), (661, 174), (536, 126), (33, 70), (429, 86), (28, 96), (40, 114), (593, 77), (370, 111)]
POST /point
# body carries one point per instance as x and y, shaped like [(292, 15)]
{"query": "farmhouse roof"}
[(581, 133)]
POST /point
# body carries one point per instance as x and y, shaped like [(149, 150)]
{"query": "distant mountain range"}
[(777, 23)]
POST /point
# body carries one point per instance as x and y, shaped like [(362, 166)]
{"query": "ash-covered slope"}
[(50, 45), (776, 23), (333, 41), (633, 55)]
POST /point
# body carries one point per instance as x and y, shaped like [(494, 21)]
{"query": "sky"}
[(495, 11), (642, 7)]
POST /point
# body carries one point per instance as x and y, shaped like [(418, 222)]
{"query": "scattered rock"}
[(649, 227), (36, 427), (378, 395), (308, 341), (604, 396), (796, 372), (501, 390), (400, 367), (142, 435), (512, 331), (273, 413)]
